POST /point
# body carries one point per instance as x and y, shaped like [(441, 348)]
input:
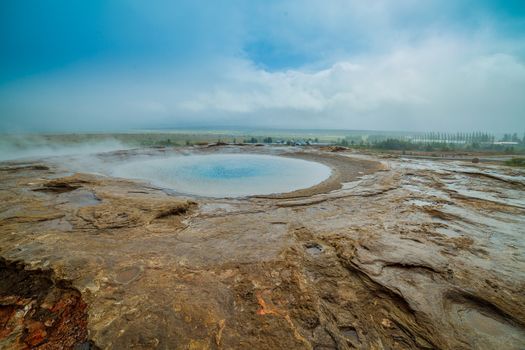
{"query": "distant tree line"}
[(407, 145), (513, 138), (250, 140), (458, 137)]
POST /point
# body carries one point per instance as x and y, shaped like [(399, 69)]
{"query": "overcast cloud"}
[(388, 65)]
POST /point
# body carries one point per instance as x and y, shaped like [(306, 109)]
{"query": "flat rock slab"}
[(391, 254)]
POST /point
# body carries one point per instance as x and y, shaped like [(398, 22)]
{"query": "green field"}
[(359, 139)]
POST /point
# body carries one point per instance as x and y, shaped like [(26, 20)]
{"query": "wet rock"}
[(16, 168), (39, 312), (62, 185), (421, 255), (335, 148)]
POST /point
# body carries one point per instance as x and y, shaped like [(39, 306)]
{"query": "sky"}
[(412, 65)]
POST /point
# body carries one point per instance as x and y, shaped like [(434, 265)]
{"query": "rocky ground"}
[(387, 254)]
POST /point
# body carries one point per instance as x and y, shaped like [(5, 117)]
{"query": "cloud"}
[(339, 64), (442, 83)]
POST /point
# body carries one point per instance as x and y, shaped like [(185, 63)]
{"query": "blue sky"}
[(377, 64)]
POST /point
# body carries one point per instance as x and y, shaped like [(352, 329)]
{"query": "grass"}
[(518, 162), (362, 140)]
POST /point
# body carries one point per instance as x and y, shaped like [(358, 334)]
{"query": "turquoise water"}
[(226, 175)]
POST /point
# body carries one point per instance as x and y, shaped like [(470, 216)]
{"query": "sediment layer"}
[(390, 254)]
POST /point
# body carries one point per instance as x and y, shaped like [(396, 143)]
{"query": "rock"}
[(409, 257)]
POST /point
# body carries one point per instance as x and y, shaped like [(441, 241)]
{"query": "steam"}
[(31, 147)]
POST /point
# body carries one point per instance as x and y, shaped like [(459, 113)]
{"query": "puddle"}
[(420, 202), (128, 274), (209, 208), (350, 334), (486, 331), (503, 196), (313, 248), (420, 189), (80, 198), (58, 224)]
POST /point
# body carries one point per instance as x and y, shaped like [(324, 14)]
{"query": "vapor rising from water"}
[(30, 147)]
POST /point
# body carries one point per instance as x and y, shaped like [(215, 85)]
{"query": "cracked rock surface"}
[(388, 254)]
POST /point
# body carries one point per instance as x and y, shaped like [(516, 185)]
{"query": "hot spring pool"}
[(226, 175)]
